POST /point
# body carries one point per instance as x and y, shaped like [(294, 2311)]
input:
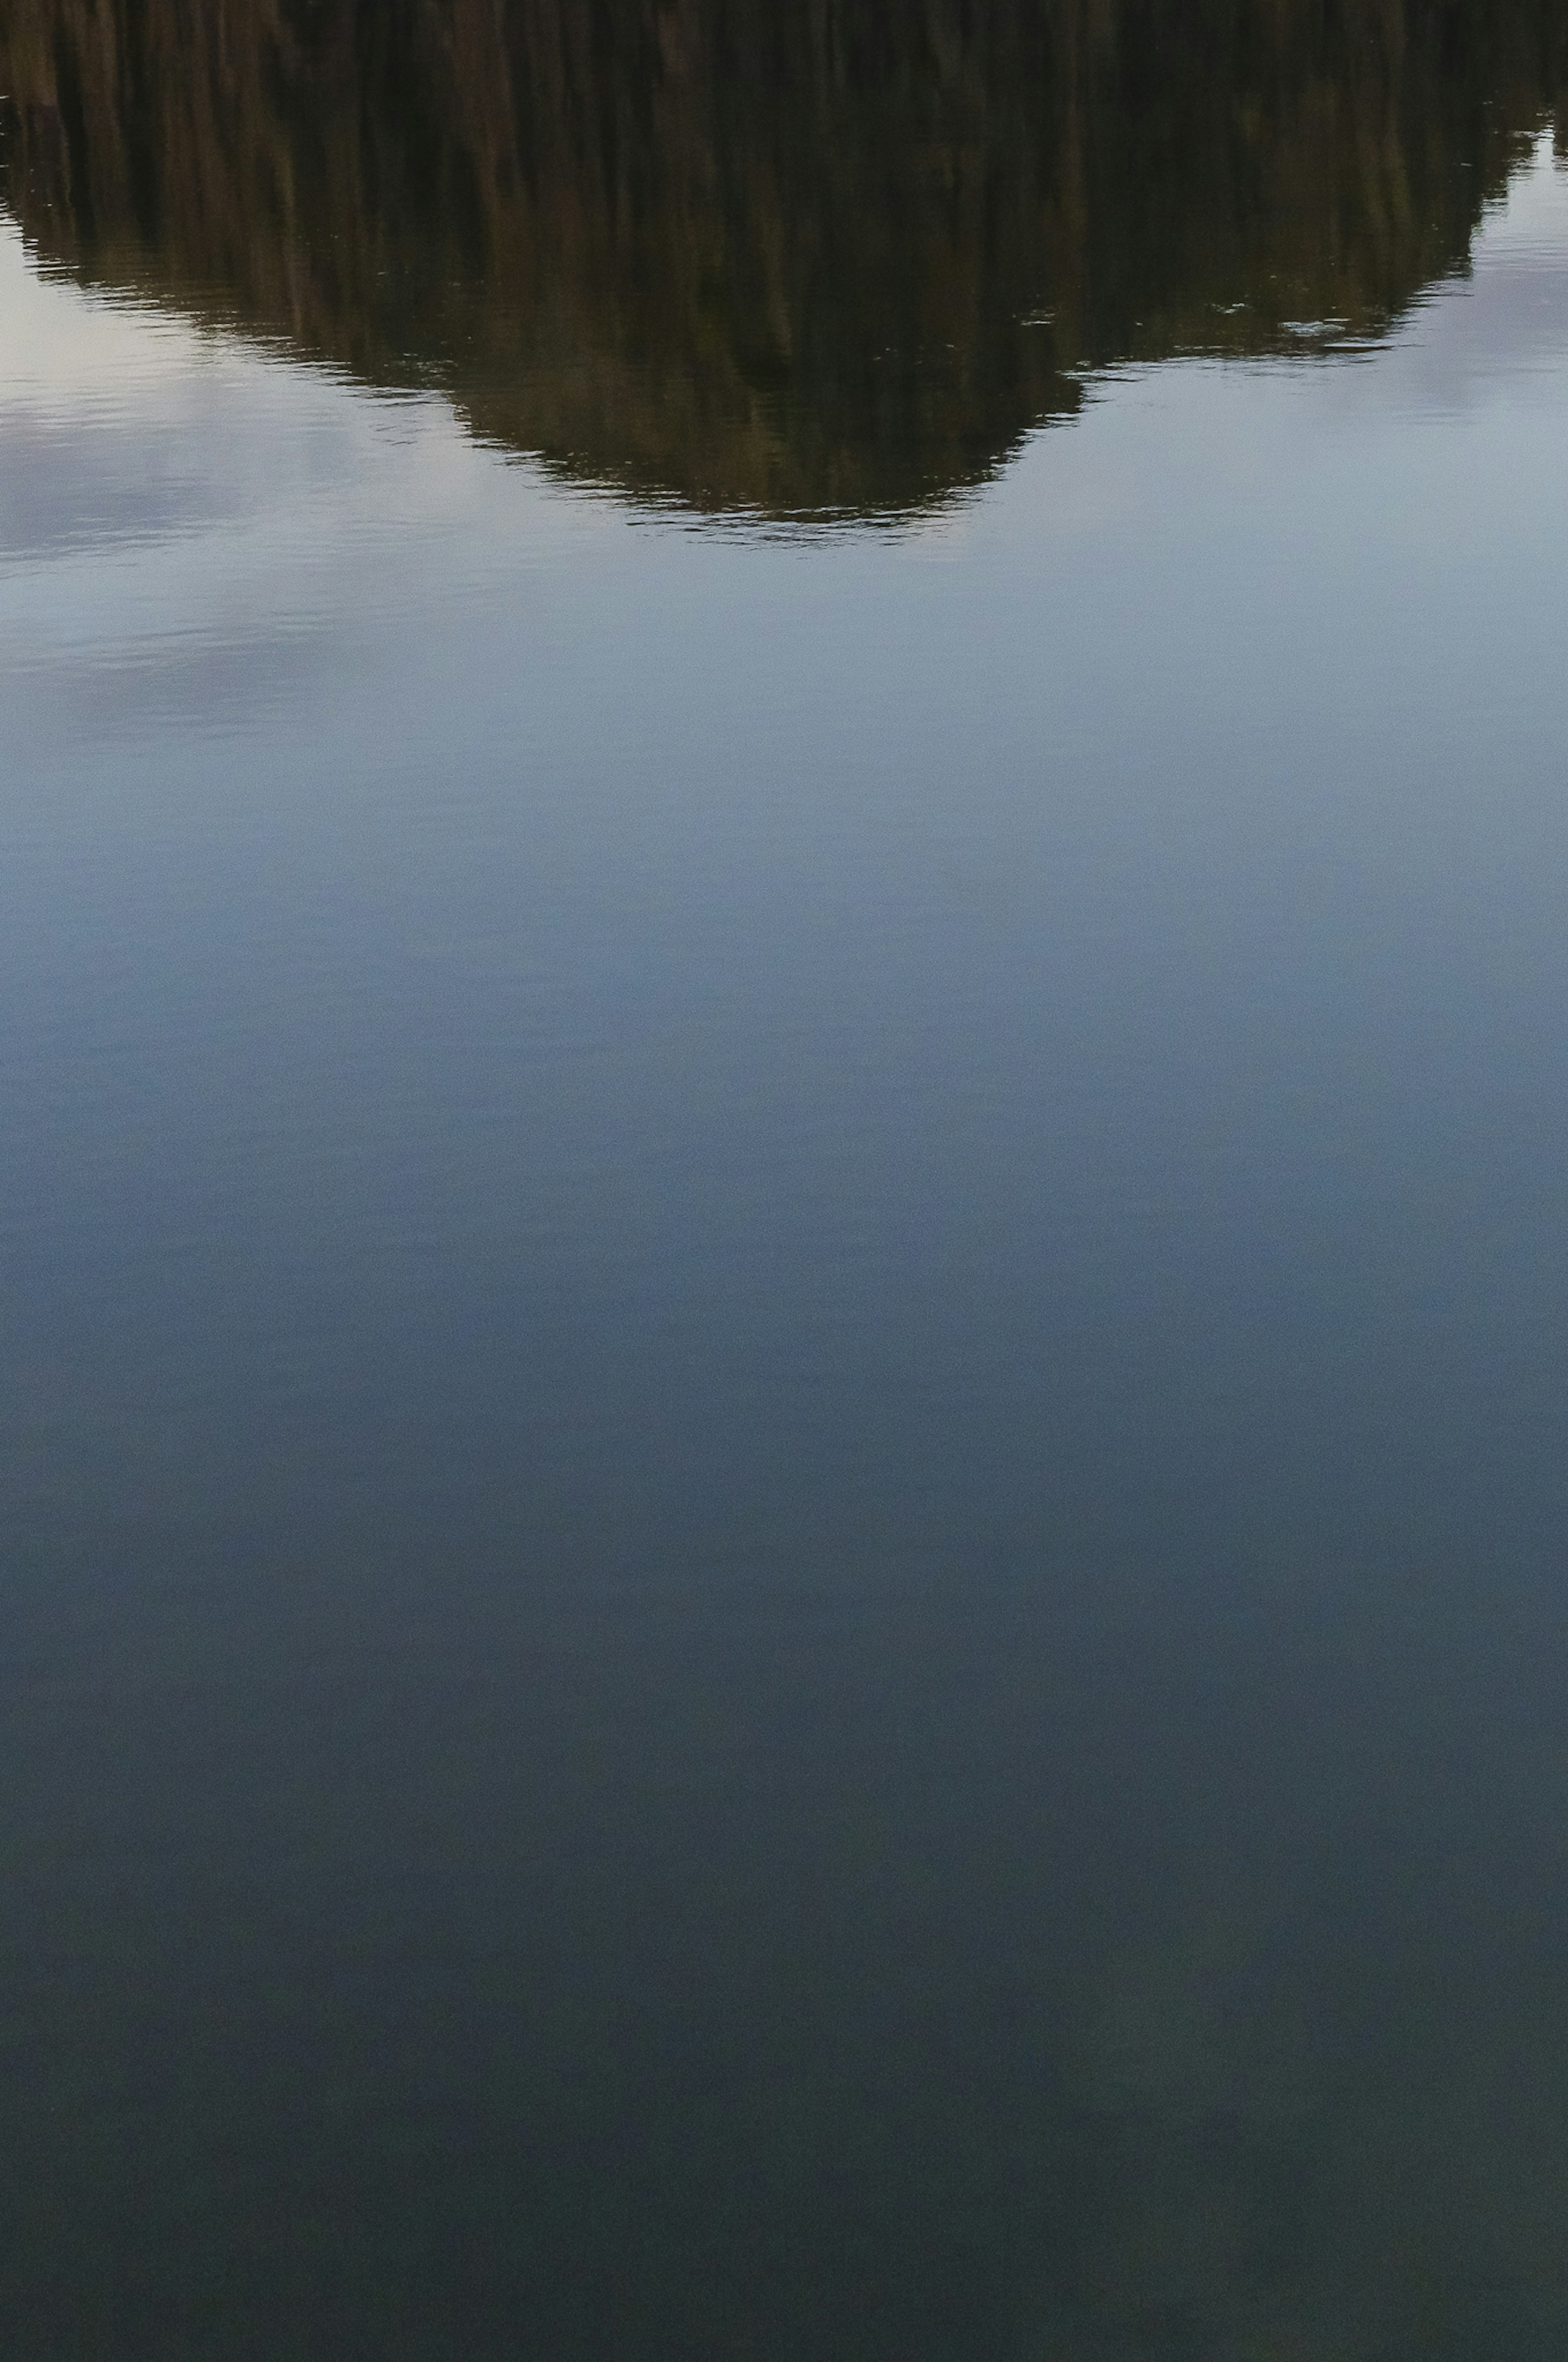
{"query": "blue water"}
[(784, 1355)]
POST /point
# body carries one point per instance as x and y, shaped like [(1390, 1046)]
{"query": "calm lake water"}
[(783, 938)]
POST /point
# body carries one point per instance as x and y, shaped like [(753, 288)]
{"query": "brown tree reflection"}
[(831, 258)]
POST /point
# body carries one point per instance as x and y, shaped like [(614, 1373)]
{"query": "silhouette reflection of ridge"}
[(821, 259)]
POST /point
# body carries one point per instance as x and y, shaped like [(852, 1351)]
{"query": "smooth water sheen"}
[(783, 938)]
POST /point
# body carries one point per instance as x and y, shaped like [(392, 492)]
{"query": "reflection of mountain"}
[(779, 254)]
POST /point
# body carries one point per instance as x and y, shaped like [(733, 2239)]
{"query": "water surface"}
[(784, 927)]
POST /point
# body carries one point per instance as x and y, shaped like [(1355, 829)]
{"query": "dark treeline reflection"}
[(834, 256)]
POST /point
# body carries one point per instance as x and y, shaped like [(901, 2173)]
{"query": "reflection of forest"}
[(785, 257)]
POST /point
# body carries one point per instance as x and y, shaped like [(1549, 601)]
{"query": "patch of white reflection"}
[(1506, 325), (192, 522)]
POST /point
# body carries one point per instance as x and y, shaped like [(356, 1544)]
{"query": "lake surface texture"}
[(783, 1192)]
